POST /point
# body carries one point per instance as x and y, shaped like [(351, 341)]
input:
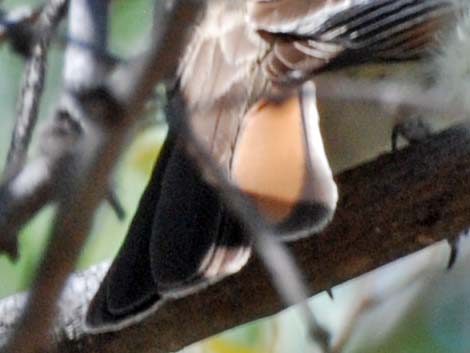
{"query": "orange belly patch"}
[(269, 161)]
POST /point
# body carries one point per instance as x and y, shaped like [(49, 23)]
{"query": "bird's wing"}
[(333, 34), (220, 77)]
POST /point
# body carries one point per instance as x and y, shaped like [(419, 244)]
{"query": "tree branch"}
[(389, 208), (27, 113), (32, 84)]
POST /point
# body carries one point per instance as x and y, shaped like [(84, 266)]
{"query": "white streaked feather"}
[(237, 47), (304, 17)]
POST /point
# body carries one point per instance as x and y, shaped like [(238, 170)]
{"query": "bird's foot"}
[(412, 129), (454, 248)]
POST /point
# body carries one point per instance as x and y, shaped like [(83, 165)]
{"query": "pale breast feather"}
[(219, 76)]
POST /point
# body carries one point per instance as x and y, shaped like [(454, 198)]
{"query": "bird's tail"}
[(181, 238)]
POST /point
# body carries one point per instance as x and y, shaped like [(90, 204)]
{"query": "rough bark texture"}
[(390, 207)]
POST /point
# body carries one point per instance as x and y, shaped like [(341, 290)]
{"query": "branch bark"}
[(32, 84), (389, 208)]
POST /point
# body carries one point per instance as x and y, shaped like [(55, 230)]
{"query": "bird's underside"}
[(243, 81)]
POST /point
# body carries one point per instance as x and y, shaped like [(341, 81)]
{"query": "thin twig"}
[(32, 85), (27, 112)]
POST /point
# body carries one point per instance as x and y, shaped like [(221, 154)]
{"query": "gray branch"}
[(389, 208), (27, 112), (32, 84)]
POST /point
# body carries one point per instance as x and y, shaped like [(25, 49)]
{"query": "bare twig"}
[(21, 197), (32, 84), (31, 190)]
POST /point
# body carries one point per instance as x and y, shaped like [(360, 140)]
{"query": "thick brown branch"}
[(389, 208)]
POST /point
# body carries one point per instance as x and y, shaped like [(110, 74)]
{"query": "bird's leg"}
[(454, 248), (116, 205)]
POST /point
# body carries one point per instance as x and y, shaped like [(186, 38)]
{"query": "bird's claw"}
[(412, 129)]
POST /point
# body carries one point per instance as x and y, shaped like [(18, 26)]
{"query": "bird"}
[(245, 79)]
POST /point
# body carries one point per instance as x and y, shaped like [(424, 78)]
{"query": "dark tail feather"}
[(128, 285), (195, 233), (180, 238)]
